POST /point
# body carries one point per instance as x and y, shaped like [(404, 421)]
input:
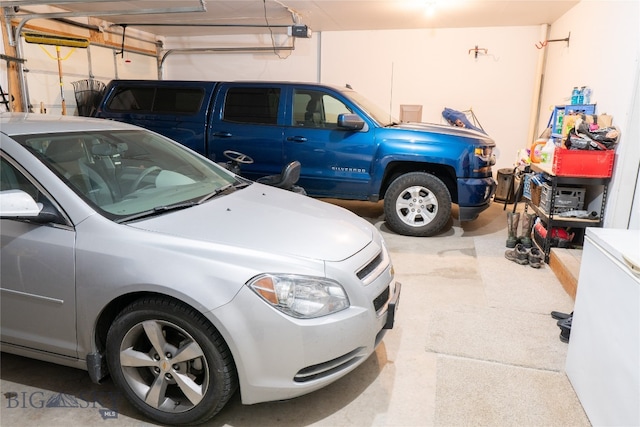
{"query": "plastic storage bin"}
[(560, 112), (566, 199), (583, 163)]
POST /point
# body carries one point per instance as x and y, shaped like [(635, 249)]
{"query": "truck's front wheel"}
[(417, 204)]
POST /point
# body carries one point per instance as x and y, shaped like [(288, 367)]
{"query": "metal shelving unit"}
[(552, 220)]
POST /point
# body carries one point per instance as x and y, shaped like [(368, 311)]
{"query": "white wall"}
[(604, 54), (96, 62), (300, 64)]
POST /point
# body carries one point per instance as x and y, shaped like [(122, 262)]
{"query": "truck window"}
[(258, 105), (332, 108), (316, 109), (132, 99), (178, 100), (157, 100)]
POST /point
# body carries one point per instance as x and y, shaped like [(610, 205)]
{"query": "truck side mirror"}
[(350, 122)]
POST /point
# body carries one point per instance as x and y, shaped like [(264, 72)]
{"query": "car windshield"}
[(129, 174), (384, 118)]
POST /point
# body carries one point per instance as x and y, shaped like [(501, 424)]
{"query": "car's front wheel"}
[(170, 362), (417, 204)]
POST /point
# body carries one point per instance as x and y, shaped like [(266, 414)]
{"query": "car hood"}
[(267, 219), (445, 130)]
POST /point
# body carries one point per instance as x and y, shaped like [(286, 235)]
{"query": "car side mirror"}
[(350, 122), (17, 204)]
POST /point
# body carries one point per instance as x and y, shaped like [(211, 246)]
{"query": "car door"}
[(248, 119), (335, 162), (37, 285)]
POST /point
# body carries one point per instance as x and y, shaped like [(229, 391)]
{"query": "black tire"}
[(194, 358), (417, 204)]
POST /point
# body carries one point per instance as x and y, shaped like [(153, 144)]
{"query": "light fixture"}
[(430, 7)]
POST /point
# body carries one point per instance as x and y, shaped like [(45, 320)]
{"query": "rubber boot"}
[(527, 228), (512, 228)]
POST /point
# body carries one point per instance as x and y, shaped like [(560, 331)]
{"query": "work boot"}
[(512, 228), (536, 259), (527, 228), (519, 255)]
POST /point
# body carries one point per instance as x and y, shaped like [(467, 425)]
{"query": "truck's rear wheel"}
[(417, 204)]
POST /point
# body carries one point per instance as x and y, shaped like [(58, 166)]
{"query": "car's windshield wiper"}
[(158, 210), (216, 192)]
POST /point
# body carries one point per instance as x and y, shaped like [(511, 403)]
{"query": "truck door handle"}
[(223, 134), (297, 139)]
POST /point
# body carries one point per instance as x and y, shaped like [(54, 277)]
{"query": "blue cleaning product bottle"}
[(581, 95), (574, 95)]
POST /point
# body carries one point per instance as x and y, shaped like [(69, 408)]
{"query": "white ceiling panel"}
[(177, 18)]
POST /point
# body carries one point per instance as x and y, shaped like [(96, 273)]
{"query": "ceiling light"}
[(430, 7)]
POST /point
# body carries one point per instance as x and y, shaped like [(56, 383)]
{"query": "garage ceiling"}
[(253, 16)]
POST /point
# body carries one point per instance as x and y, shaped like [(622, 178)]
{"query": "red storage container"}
[(583, 163)]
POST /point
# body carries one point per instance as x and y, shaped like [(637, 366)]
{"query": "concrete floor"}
[(473, 344)]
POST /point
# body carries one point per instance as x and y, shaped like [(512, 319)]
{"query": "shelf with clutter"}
[(571, 165)]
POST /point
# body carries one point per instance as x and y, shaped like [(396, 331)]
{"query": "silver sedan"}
[(126, 254)]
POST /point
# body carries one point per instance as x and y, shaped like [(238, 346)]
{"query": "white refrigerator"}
[(603, 359)]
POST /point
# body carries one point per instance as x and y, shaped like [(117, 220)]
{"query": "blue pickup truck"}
[(349, 148)]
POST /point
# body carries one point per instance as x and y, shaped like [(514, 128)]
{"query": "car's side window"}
[(12, 179), (257, 105), (178, 100), (132, 99), (332, 108), (316, 109), (163, 100)]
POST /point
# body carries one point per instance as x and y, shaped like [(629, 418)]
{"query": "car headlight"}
[(304, 297)]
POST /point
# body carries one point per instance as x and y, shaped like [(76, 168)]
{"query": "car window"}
[(163, 100), (316, 109), (12, 179), (332, 108), (127, 99), (122, 173), (258, 105), (178, 100), (380, 115)]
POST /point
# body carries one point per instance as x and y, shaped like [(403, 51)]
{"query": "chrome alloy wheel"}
[(164, 366), (416, 206)]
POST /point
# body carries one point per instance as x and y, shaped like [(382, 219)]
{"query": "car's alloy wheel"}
[(170, 362), (417, 204)]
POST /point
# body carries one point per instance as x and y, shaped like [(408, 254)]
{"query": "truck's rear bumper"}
[(474, 196)]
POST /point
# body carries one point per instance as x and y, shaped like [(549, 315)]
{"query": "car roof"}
[(209, 83), (30, 123)]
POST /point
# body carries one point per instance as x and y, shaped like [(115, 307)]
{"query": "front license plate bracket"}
[(392, 307)]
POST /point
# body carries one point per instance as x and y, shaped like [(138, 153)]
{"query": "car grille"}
[(322, 370), (369, 268), (374, 268)]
